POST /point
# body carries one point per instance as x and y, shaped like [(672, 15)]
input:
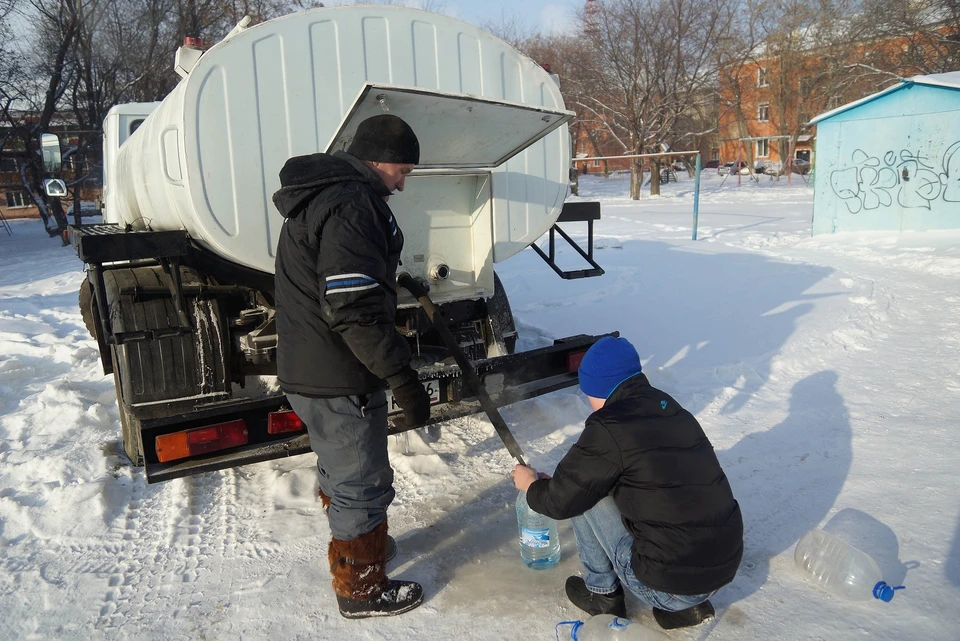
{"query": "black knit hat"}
[(385, 138)]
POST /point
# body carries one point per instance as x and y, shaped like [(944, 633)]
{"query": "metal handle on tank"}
[(469, 374)]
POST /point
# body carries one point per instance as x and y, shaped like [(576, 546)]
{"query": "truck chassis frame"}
[(507, 378)]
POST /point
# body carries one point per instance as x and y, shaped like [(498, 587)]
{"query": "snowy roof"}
[(951, 79)]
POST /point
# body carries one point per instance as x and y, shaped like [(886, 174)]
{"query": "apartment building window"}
[(596, 163), (8, 165), (17, 199), (762, 77), (763, 112), (763, 148)]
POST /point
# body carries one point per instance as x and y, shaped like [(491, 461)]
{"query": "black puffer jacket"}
[(336, 272), (654, 458)]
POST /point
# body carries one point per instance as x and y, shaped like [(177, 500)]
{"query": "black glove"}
[(412, 398)]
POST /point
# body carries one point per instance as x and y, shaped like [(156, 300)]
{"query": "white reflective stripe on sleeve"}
[(350, 283), (340, 290), (341, 276)]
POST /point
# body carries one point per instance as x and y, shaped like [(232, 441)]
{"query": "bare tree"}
[(921, 37), (81, 57), (738, 57), (44, 74), (814, 58), (568, 56), (511, 29), (653, 62)]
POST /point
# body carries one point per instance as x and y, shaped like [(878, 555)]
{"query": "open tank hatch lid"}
[(454, 130)]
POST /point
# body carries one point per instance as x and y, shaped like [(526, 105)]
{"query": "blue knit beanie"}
[(609, 362)]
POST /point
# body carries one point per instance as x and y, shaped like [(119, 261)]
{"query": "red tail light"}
[(574, 359), (201, 440), (283, 421)]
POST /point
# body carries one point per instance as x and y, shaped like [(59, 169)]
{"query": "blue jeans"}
[(605, 548)]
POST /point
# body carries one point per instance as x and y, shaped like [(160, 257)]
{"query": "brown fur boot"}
[(325, 504), (360, 579), (324, 500)]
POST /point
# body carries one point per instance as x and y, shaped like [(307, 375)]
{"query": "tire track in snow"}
[(175, 540), (135, 539), (164, 535), (249, 504), (195, 543)]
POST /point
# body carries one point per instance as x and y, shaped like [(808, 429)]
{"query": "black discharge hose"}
[(469, 374)]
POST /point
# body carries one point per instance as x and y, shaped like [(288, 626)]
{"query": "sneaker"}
[(398, 597), (684, 618), (593, 603)]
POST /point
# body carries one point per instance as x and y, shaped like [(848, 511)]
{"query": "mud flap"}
[(155, 361)]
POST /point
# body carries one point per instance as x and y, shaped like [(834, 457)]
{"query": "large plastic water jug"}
[(539, 539), (607, 627), (840, 568)]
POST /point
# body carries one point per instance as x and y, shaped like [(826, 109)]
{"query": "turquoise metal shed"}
[(891, 161)]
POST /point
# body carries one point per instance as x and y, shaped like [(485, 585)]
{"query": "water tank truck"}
[(179, 288)]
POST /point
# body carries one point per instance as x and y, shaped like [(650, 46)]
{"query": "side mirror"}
[(50, 149), (54, 187)]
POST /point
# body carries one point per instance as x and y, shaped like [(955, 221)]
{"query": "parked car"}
[(730, 167), (712, 164), (87, 210), (800, 166), (767, 167)]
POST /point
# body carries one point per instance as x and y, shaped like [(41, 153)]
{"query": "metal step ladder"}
[(6, 225)]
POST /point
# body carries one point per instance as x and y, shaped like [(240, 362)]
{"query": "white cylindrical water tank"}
[(207, 160)]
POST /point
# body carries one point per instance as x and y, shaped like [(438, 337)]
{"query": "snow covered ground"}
[(826, 372)]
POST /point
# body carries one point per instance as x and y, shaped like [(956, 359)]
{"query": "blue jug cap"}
[(574, 631), (885, 592)]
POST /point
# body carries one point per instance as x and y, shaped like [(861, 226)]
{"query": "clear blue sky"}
[(541, 15)]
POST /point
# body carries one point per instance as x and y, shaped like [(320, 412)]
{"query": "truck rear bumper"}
[(508, 379)]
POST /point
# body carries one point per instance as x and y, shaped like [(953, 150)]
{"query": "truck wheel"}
[(499, 330), (129, 424), (87, 310), (91, 320)]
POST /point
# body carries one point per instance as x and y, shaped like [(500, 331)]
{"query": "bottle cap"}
[(885, 592), (574, 631)]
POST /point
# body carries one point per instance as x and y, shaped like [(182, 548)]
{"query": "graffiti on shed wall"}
[(909, 178)]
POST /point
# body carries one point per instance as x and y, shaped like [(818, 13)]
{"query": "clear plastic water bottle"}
[(840, 568), (539, 539), (606, 627)]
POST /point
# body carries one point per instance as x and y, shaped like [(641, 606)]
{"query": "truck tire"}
[(499, 330), (129, 424), (90, 314), (88, 310)]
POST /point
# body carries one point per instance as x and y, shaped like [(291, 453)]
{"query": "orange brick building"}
[(767, 103), (763, 115)]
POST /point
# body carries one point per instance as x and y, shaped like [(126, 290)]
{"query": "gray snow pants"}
[(349, 436)]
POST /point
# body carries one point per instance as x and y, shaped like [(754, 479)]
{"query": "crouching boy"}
[(650, 506)]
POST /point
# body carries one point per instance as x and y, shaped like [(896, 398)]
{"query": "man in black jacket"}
[(336, 300), (650, 506)]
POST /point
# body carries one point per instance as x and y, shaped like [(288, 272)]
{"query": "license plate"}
[(432, 387)]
